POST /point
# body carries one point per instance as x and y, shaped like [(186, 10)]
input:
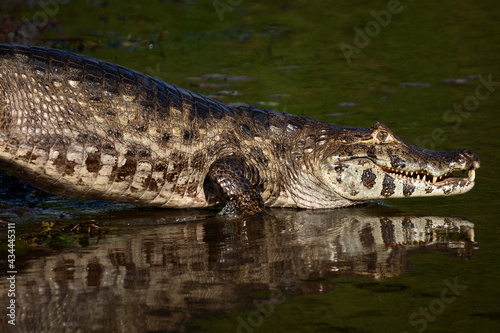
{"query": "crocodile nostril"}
[(468, 157), (468, 154)]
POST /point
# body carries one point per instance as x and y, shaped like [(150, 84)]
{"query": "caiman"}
[(82, 127)]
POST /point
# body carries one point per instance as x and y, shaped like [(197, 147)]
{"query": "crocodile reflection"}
[(166, 274)]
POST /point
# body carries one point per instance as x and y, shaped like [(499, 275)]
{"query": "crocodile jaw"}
[(361, 179)]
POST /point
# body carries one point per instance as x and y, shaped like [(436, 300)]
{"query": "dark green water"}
[(364, 269)]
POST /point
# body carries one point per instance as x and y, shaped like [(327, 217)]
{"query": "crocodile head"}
[(373, 163)]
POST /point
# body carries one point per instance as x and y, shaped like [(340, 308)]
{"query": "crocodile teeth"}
[(424, 176), (472, 175)]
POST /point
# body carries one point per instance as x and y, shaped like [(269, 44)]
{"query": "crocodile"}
[(81, 127)]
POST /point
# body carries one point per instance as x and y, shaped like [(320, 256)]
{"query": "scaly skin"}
[(81, 127)]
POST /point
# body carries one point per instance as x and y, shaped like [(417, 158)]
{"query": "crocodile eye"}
[(383, 136)]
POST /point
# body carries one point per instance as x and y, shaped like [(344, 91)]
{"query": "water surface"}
[(166, 268), (386, 267)]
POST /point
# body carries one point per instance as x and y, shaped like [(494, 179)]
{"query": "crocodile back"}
[(92, 92), (79, 126)]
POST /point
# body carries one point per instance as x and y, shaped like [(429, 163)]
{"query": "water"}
[(187, 265), (409, 265)]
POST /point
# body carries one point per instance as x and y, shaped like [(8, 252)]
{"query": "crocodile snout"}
[(467, 159)]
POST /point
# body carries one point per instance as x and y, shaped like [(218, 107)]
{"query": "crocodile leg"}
[(241, 196)]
